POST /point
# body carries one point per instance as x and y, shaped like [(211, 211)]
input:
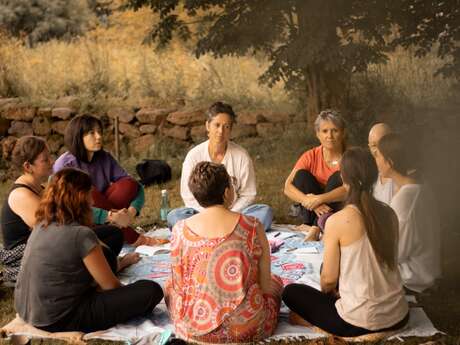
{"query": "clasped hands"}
[(122, 218), (316, 204)]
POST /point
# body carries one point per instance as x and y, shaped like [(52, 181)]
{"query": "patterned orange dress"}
[(213, 294)]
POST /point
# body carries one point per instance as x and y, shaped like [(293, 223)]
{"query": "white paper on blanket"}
[(162, 233), (305, 250), (154, 250)]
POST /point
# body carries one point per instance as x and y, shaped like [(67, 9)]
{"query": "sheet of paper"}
[(152, 250), (305, 250)]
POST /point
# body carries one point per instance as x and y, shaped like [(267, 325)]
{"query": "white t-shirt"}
[(384, 191), (419, 236), (239, 166)]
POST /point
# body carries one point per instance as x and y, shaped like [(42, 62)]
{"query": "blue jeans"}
[(263, 213)]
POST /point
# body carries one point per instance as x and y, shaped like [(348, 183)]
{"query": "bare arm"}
[(100, 270), (312, 201), (264, 261), (331, 260), (338, 194), (291, 191), (25, 204)]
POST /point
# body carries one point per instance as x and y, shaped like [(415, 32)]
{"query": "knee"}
[(178, 214), (127, 184), (172, 217), (152, 291), (266, 213), (302, 178), (334, 181), (116, 235), (289, 292)]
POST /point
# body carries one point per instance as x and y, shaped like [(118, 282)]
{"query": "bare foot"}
[(149, 241), (296, 319), (128, 260), (311, 232)]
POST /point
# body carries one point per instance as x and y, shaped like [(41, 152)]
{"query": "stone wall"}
[(138, 127)]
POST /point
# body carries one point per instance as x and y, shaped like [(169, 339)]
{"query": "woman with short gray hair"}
[(220, 118), (314, 183)]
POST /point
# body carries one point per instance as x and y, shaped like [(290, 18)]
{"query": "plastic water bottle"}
[(164, 205)]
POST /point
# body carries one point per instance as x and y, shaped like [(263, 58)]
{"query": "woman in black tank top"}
[(31, 157)]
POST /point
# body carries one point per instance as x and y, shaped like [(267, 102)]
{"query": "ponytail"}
[(359, 171), (380, 228)]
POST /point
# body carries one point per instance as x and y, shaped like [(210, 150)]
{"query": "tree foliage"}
[(312, 45), (430, 25), (42, 20)]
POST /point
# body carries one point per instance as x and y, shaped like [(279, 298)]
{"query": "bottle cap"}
[(164, 192)]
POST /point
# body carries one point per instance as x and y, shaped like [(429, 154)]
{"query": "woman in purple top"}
[(118, 198)]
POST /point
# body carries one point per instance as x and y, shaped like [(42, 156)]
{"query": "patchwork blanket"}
[(292, 259)]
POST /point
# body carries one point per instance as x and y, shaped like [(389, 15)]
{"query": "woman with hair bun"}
[(118, 198), (221, 289), (361, 289), (55, 290), (32, 159)]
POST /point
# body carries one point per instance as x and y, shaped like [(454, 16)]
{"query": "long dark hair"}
[(76, 129), (392, 148), (359, 171)]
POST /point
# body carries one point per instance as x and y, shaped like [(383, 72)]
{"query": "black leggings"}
[(99, 310), (319, 309), (307, 183), (112, 237)]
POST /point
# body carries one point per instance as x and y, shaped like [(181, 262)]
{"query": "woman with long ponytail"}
[(361, 289)]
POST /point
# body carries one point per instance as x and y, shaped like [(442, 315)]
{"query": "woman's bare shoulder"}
[(21, 195), (346, 222)]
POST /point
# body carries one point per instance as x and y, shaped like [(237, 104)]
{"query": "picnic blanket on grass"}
[(294, 261)]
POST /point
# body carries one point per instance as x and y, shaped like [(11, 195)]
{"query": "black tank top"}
[(14, 230)]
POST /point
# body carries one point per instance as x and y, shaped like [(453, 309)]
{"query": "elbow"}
[(111, 285), (286, 189), (328, 283)]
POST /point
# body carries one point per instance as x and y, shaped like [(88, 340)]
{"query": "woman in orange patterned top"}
[(221, 289)]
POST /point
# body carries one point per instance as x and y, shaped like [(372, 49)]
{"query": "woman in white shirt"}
[(419, 228), (219, 149)]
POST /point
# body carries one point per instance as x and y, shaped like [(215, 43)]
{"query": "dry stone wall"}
[(138, 127)]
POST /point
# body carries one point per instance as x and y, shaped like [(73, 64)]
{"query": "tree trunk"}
[(325, 90)]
